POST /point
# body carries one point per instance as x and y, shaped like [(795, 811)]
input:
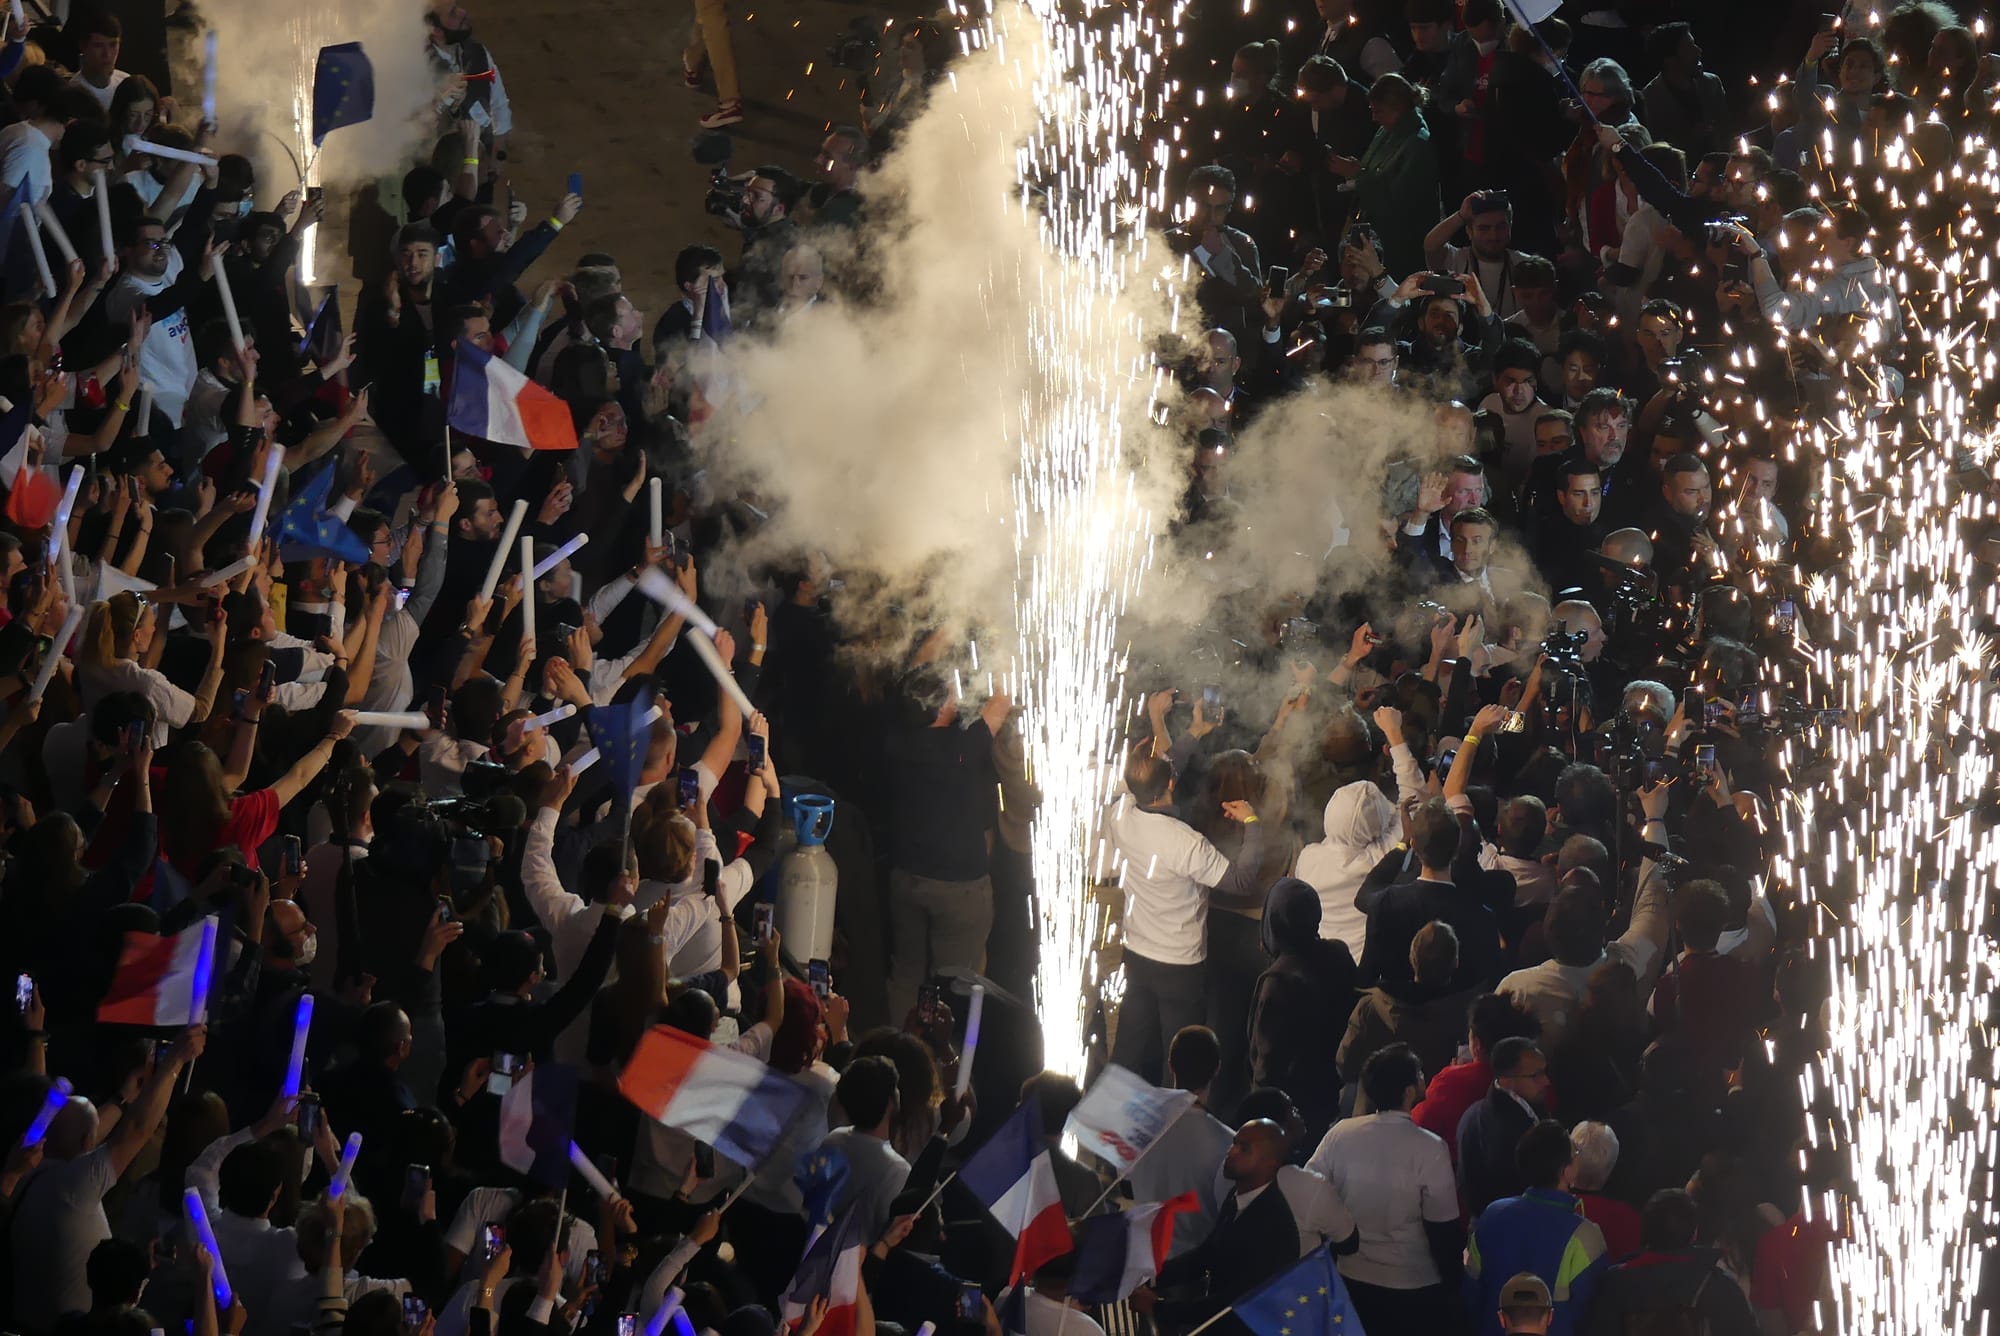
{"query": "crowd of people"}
[(1445, 887)]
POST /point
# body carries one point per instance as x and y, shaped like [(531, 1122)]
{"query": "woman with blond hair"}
[(120, 649)]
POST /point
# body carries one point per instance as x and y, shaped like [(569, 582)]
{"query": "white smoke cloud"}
[(264, 86)]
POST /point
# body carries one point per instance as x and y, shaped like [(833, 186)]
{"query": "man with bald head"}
[(1255, 1237), (58, 1214)]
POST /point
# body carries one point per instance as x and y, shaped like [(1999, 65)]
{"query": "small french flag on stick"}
[(161, 981), (1014, 1178), (494, 402)]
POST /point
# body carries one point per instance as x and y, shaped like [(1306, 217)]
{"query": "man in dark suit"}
[(1492, 1128), (1397, 913), (1255, 1237)]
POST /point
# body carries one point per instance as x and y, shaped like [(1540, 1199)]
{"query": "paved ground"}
[(597, 89)]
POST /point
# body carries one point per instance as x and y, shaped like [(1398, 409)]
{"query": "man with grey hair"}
[(1595, 1147)]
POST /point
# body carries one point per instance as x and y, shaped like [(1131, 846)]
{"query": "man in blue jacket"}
[(1543, 1233)]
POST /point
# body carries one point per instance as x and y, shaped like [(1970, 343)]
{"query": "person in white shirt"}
[(1168, 870), (117, 651), (1396, 1179), (27, 147), (1516, 370), (97, 57), (151, 268)]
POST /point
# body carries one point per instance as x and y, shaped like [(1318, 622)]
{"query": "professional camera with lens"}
[(1562, 646), (725, 193)]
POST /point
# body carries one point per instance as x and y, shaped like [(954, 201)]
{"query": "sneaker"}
[(691, 75), (725, 113)]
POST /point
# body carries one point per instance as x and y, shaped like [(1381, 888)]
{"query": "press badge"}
[(432, 381)]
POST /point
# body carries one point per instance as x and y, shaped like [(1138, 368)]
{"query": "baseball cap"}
[(1525, 1290)]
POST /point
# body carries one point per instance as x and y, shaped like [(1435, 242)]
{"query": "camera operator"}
[(762, 213)]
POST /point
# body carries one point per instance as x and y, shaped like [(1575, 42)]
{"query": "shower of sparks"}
[(1088, 180), (1889, 842), (311, 30)]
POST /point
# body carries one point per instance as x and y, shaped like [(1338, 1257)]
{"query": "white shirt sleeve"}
[(1435, 1184), (539, 881), (1205, 862)]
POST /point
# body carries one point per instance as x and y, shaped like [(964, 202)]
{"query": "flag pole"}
[(1212, 1321), (1125, 1173), (934, 1193)]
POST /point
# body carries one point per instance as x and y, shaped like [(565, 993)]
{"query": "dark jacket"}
[(1430, 1020), (1686, 1281), (1245, 1249), (1397, 191), (1396, 914), (1487, 1135), (944, 786), (1292, 1043)]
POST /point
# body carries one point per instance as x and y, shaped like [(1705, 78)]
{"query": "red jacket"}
[(1450, 1093)]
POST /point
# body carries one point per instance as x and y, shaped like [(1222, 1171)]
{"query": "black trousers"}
[(1160, 1001)]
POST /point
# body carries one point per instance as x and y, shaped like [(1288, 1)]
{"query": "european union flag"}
[(621, 733), (1307, 1300), (343, 89), (821, 1177), (305, 530)]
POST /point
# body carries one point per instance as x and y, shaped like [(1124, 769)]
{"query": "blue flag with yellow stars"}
[(343, 89), (821, 1177), (1307, 1300), (306, 530)]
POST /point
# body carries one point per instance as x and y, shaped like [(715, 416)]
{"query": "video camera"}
[(725, 192), (450, 835)]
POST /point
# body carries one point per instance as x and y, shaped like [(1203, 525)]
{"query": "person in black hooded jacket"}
[(1292, 1036)]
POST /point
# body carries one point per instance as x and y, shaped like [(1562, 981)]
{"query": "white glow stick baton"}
[(591, 1173), (393, 719), (209, 68), (229, 313), (583, 763), (20, 18), (528, 593), (56, 233), (41, 255), (555, 716), (228, 573), (46, 673), (348, 1154), (972, 1015), (548, 563), (653, 517), (51, 1106), (204, 972), (669, 1305), (151, 149), (103, 197), (274, 459), (301, 1027), (656, 586), (197, 1216), (505, 548), (71, 486)]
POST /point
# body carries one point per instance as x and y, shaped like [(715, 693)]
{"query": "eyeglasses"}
[(152, 243)]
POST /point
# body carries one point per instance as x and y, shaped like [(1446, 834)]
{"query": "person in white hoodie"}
[(1361, 829)]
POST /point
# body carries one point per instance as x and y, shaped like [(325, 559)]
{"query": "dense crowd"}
[(1443, 876)]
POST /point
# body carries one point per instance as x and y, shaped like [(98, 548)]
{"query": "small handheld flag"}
[(343, 89)]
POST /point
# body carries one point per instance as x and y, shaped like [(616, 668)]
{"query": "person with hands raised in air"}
[(58, 1213), (1169, 871)]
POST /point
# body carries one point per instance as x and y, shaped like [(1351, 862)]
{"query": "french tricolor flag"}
[(728, 1099), (1014, 1178), (831, 1269), (1117, 1253), (494, 402), (162, 981)]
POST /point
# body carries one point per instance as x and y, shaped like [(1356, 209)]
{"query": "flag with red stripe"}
[(1015, 1179), (1117, 1253), (159, 980), (831, 1269)]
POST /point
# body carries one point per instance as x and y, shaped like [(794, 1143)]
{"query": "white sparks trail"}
[(1089, 180), (1891, 844)]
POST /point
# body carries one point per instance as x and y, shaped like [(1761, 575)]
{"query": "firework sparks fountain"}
[(1088, 180), (1889, 844)]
